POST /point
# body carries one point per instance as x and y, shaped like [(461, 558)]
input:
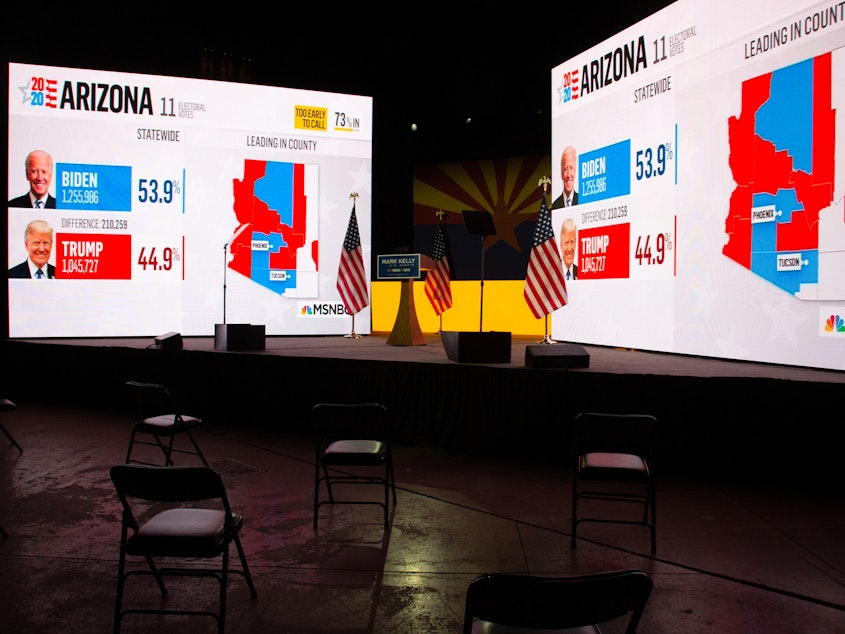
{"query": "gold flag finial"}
[(544, 183), (353, 195), (440, 214)]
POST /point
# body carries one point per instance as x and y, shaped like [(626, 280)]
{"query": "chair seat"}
[(160, 424), (183, 532), (613, 466), (355, 452)]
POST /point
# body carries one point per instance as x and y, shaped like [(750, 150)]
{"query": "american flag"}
[(545, 287), (438, 286), (351, 277)]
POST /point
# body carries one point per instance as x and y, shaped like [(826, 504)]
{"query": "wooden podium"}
[(405, 267), (406, 329)]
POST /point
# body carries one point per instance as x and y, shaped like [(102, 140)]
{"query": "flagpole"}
[(547, 338), (544, 183), (441, 216), (353, 334)]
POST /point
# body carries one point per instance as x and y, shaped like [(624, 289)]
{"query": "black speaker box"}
[(477, 347), (238, 337), (169, 341), (556, 355)]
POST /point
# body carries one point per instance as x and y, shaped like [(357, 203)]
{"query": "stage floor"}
[(375, 347)]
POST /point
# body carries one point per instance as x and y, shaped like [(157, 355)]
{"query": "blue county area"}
[(763, 234), (276, 189), (786, 119), (276, 280), (765, 265), (786, 202), (764, 253)]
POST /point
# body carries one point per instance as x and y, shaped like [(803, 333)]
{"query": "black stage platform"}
[(742, 419)]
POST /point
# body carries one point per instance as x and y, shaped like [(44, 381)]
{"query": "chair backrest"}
[(615, 433), (333, 421), (533, 602), (168, 484), (151, 399)]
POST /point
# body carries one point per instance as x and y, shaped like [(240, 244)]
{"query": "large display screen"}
[(705, 146), (176, 204)]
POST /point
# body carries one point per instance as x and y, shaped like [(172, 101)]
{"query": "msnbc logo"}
[(834, 323), (325, 309)]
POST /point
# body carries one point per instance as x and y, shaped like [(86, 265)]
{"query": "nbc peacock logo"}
[(834, 323)]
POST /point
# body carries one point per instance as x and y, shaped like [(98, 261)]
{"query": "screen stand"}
[(225, 266), (236, 336), (480, 223), (478, 347)]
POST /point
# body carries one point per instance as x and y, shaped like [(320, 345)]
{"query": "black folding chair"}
[(157, 421), (510, 604), (352, 448), (613, 461), (7, 406), (161, 519)]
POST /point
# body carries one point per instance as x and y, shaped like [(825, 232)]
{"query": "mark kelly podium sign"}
[(405, 267)]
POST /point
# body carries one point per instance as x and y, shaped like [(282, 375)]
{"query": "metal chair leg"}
[(10, 437)]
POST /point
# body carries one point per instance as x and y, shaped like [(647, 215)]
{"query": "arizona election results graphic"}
[(730, 136), (617, 110), (114, 171), (143, 209), (118, 221), (623, 232), (136, 210)]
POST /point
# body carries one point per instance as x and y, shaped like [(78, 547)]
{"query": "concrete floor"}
[(731, 558)]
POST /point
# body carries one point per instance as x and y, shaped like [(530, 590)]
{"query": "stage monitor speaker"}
[(238, 337), (558, 355), (169, 341), (477, 347)]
